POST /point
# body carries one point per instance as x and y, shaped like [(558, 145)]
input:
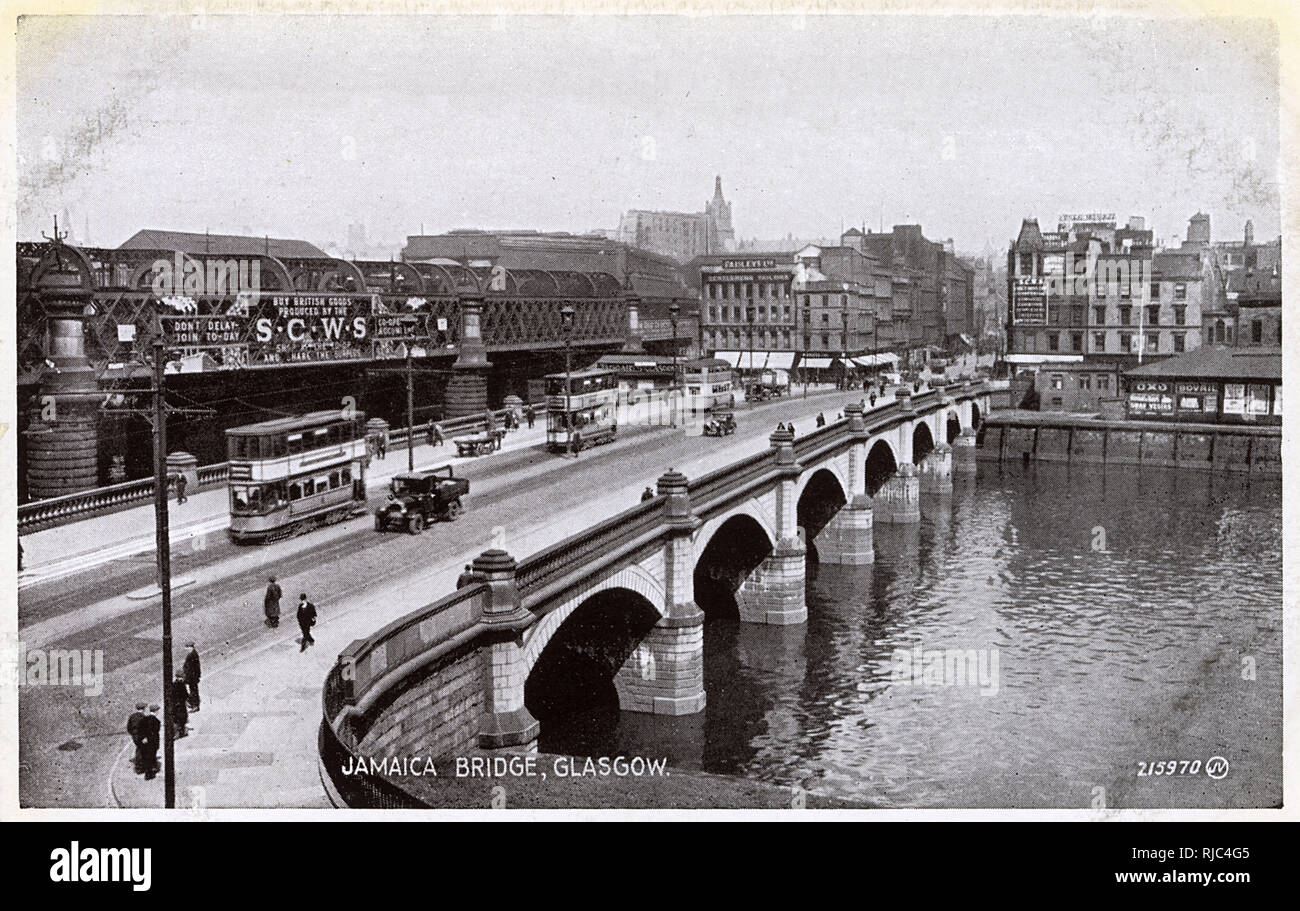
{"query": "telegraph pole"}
[(163, 548)]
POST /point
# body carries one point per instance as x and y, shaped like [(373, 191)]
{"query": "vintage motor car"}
[(416, 499)]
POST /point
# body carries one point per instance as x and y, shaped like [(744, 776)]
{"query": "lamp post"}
[(751, 313), (844, 341), (673, 310), (566, 320)]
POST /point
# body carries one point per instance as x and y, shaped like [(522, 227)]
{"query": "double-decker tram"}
[(581, 409), (289, 475)]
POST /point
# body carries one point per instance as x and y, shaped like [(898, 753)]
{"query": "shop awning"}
[(1043, 358), (815, 363), (752, 360), (876, 360), (729, 356), (780, 360)]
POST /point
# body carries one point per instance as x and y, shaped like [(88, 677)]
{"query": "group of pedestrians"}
[(145, 730)]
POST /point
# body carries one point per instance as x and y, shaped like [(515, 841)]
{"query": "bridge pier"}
[(774, 591), (936, 471), (963, 454), (899, 499), (848, 538), (467, 391), (507, 724), (63, 439), (665, 674)]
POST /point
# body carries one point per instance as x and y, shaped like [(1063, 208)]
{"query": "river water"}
[(1135, 618)]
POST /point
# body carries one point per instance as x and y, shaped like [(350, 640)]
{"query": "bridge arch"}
[(572, 675), (953, 427), (633, 578), (880, 465), (823, 495), (922, 441), (726, 556)]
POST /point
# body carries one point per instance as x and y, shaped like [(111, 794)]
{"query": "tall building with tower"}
[(682, 235)]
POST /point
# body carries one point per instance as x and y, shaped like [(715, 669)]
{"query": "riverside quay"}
[(627, 442)]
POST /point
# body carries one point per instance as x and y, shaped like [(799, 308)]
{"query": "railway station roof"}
[(195, 244)]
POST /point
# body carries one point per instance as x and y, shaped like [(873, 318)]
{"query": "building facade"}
[(682, 235), (1092, 292)]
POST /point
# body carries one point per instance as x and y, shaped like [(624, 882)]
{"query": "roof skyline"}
[(306, 132)]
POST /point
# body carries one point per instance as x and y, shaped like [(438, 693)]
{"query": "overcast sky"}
[(296, 127)]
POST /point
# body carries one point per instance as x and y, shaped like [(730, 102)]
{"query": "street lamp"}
[(566, 320), (673, 310), (844, 341), (751, 312)]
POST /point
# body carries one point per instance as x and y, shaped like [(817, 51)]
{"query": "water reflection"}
[(1123, 606)]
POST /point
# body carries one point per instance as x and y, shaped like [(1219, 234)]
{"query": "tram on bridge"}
[(581, 409), (290, 475)]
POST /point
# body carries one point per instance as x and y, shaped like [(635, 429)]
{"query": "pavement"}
[(253, 744)]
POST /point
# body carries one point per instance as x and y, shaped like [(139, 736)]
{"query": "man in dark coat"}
[(135, 728), (180, 714), (192, 672), (468, 577), (271, 603), (181, 484), (150, 737), (532, 418), (647, 494), (306, 620)]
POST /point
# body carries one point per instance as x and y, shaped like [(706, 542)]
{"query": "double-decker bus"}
[(289, 475), (581, 409)]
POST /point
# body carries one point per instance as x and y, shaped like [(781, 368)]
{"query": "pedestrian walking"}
[(382, 443), (180, 714), (150, 737), (435, 434), (181, 484), (271, 603), (532, 418), (306, 620), (191, 671), (821, 419), (647, 494), (468, 577), (873, 399), (135, 728)]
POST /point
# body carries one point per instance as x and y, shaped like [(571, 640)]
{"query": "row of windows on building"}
[(1178, 342), (742, 290), (1127, 315), (777, 339)]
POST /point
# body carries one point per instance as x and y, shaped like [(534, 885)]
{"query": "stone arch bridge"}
[(620, 607)]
